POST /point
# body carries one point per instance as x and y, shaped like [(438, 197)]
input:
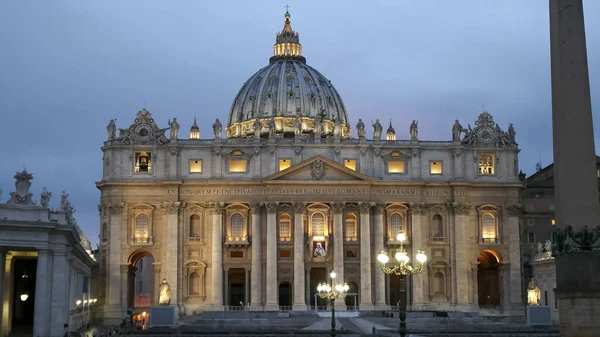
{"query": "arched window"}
[(194, 284), (141, 228), (237, 225), (195, 226), (318, 224), (285, 227), (488, 227), (437, 227), (439, 283), (350, 227), (395, 224)]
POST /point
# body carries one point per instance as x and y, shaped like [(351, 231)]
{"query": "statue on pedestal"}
[(533, 293), (377, 129), (511, 132), (257, 128), (298, 128), (217, 128), (457, 129), (360, 129), (414, 130), (164, 293), (111, 129), (45, 198), (174, 128), (272, 128)]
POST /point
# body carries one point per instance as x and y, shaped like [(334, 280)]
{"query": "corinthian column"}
[(338, 247), (113, 310), (417, 210), (256, 271), (299, 286), (378, 245), (216, 209), (366, 303), (459, 249), (271, 287), (171, 210), (514, 254)]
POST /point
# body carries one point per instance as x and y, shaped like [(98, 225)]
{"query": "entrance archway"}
[(285, 294), (488, 278), (140, 280), (351, 299), (317, 275), (236, 287)]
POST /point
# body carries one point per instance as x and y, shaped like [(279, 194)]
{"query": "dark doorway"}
[(488, 279), (23, 295), (398, 288), (285, 294), (236, 296), (318, 275), (352, 296)]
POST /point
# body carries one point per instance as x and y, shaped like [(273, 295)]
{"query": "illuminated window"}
[(437, 228), (143, 162), (284, 163), (396, 166), (141, 228), (237, 165), (237, 226), (395, 224), (318, 224), (435, 167), (195, 166), (486, 164), (350, 227), (285, 224), (553, 222), (488, 228), (350, 163)]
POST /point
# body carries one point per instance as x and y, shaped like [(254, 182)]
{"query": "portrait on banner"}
[(319, 249)]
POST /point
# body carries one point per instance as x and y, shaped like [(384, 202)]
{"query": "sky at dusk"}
[(68, 67)]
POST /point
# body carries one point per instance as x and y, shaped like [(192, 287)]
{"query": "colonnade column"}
[(171, 209), (366, 302), (514, 255), (272, 288), (217, 255), (256, 271), (59, 309), (2, 269), (417, 210), (380, 300), (41, 308), (338, 248), (113, 311), (299, 285), (459, 248)]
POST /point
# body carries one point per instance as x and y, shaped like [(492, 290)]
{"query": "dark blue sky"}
[(68, 67)]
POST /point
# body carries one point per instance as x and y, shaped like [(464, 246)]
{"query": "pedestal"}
[(539, 316), (162, 316)]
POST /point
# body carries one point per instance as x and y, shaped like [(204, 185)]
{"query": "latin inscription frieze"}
[(260, 191)]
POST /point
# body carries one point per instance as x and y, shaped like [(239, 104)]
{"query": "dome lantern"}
[(391, 133), (287, 43), (195, 131)]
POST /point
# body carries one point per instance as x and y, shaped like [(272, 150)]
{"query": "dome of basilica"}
[(297, 97)]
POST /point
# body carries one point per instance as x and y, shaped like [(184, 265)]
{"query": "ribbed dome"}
[(286, 89)]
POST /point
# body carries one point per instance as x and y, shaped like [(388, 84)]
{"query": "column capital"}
[(116, 207), (418, 208), (459, 208), (124, 268), (378, 207), (44, 251), (337, 207), (255, 207), (271, 206), (514, 209), (299, 207), (172, 207), (215, 207), (365, 207)]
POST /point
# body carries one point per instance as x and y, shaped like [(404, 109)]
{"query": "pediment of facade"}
[(318, 168)]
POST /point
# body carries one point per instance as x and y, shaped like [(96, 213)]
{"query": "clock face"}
[(485, 134), (143, 132)]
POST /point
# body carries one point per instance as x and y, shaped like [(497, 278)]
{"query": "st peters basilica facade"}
[(257, 214)]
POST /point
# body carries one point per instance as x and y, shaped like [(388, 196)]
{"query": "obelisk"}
[(575, 180)]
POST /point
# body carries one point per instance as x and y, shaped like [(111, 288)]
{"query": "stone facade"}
[(260, 217), (45, 265)]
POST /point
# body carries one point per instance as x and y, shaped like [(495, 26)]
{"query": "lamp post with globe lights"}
[(332, 292), (402, 268)]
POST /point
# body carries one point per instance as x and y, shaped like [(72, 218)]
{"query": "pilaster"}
[(171, 251), (418, 210), (41, 316), (113, 310), (366, 302), (60, 289), (256, 271), (216, 209), (338, 247), (514, 254), (299, 299), (460, 252), (272, 304), (380, 300)]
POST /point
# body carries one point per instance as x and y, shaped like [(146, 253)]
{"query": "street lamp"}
[(332, 292), (402, 268)]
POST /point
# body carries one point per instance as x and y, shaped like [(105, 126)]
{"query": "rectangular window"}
[(435, 167), (395, 166), (237, 165), (195, 166), (285, 253), (284, 163), (486, 164), (350, 163), (351, 253), (531, 237), (236, 254), (553, 222), (143, 162), (530, 222)]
